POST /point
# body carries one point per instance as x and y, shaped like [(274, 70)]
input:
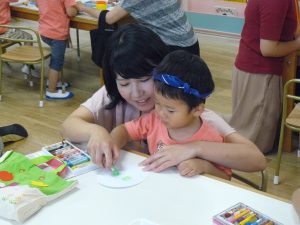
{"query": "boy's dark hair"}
[(190, 69), (133, 51)]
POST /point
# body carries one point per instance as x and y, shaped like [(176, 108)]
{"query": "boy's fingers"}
[(150, 160)]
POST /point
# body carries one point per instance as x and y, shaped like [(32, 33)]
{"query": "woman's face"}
[(137, 92)]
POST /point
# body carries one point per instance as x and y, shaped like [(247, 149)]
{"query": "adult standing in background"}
[(165, 18), (268, 35)]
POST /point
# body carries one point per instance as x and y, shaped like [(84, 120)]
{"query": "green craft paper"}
[(24, 171)]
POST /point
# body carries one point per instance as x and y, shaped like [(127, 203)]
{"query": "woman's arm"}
[(80, 127), (270, 48), (237, 153)]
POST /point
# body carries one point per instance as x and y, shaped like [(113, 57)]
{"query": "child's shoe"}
[(26, 68), (59, 85), (58, 95)]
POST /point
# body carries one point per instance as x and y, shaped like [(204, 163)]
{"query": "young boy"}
[(54, 29), (5, 19), (182, 82)]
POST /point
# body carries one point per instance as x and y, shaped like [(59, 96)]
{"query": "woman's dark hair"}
[(188, 68), (133, 51)]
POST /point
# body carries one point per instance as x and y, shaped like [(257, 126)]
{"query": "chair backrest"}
[(5, 45), (36, 38)]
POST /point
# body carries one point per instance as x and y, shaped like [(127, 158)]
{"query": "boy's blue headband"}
[(177, 83)]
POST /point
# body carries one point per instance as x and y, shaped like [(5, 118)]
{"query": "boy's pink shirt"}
[(5, 13), (150, 127), (54, 21)]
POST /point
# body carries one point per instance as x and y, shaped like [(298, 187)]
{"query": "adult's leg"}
[(256, 104)]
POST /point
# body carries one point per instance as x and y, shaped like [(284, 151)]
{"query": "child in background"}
[(5, 19), (54, 29), (182, 82)]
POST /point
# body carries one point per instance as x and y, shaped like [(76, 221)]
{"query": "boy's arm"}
[(120, 136), (193, 167)]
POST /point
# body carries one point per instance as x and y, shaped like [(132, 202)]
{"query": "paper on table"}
[(142, 221), (129, 176)]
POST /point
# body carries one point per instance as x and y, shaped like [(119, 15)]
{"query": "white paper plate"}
[(128, 177)]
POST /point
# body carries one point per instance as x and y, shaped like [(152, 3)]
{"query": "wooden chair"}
[(26, 54), (262, 186), (5, 45), (291, 121)]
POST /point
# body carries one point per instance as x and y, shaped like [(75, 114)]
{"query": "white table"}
[(163, 198)]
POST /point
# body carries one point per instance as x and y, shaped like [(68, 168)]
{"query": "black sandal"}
[(12, 133)]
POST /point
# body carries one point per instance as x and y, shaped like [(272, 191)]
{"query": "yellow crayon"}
[(38, 184), (241, 214), (247, 219)]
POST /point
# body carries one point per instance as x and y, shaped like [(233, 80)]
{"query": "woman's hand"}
[(101, 148), (169, 156)]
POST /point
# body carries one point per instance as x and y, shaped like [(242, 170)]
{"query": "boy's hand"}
[(192, 167), (169, 156)]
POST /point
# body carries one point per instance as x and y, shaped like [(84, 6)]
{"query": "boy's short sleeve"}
[(139, 128)]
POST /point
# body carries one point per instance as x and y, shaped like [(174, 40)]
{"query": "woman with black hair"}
[(131, 55)]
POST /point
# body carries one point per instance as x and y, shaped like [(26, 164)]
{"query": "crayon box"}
[(241, 214)]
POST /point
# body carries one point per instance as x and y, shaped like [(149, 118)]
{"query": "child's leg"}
[(53, 79), (58, 48)]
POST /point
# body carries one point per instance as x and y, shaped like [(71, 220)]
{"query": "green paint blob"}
[(126, 178)]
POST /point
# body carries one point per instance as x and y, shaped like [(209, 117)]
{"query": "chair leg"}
[(1, 80), (30, 77), (298, 151), (78, 45), (279, 153), (264, 181), (41, 102)]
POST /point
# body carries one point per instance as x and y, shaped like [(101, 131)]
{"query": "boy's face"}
[(174, 113)]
